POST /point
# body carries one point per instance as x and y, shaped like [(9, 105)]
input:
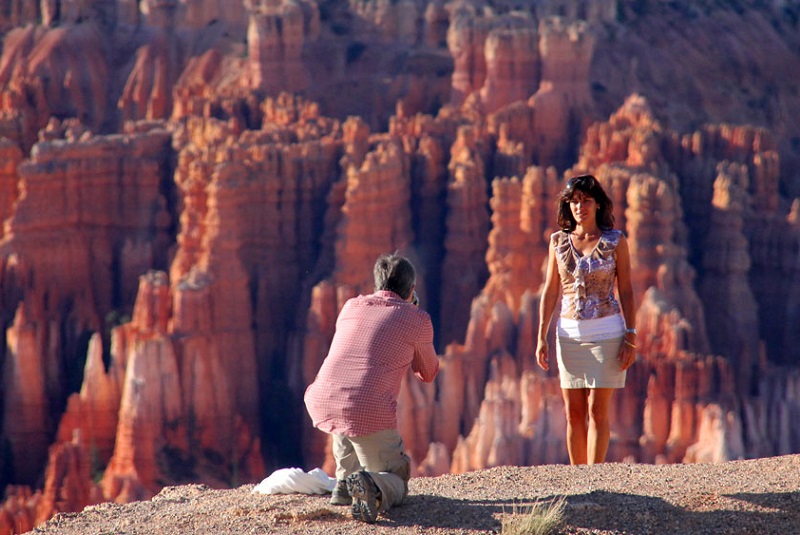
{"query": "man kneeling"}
[(354, 396)]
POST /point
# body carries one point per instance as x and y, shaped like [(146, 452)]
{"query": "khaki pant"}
[(383, 456)]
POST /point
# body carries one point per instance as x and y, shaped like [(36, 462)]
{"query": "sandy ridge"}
[(741, 497)]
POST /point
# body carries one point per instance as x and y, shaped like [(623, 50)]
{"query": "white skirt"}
[(589, 364)]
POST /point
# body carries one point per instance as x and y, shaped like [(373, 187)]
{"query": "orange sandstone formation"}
[(11, 156), (18, 512), (148, 90), (521, 220), (659, 270), (558, 102), (463, 268), (60, 71), (92, 414), (389, 21), (512, 64), (176, 403), (88, 177), (377, 183), (275, 37), (232, 227), (730, 304), (465, 41), (69, 486), (26, 413), (562, 104)]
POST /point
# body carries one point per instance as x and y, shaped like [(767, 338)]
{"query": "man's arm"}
[(425, 364)]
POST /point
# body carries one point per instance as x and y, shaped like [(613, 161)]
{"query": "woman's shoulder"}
[(609, 239), (612, 234), (559, 242)]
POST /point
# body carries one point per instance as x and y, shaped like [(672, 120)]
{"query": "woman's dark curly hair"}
[(590, 186)]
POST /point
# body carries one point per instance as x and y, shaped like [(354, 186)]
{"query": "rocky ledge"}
[(739, 497)]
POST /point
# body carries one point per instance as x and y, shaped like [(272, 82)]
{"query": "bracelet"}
[(630, 331), (630, 344)]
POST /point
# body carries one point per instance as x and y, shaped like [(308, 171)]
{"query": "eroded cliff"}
[(190, 193)]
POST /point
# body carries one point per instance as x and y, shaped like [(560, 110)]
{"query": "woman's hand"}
[(543, 355), (627, 351)]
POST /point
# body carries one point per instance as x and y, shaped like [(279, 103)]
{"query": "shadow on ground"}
[(610, 512)]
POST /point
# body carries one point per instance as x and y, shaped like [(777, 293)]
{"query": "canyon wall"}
[(190, 191)]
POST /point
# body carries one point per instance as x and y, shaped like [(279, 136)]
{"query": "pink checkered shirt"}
[(377, 337)]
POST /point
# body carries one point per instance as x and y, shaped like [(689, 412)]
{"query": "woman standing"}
[(595, 336)]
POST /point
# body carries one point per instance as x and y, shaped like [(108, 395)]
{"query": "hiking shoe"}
[(365, 493), (340, 495)]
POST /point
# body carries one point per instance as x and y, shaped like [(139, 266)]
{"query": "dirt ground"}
[(759, 496)]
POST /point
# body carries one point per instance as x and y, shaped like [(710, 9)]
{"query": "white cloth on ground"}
[(291, 480)]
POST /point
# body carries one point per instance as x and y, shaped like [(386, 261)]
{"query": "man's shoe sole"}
[(364, 493)]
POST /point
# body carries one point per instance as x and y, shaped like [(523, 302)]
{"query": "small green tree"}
[(95, 465)]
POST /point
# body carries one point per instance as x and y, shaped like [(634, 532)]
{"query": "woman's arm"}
[(627, 352), (547, 304)]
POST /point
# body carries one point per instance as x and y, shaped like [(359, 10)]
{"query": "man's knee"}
[(403, 469)]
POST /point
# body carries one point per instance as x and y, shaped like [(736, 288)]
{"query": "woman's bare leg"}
[(576, 405), (599, 426)]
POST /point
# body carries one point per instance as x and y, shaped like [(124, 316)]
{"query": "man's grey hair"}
[(394, 273)]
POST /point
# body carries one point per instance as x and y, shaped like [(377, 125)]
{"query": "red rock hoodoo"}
[(189, 194)]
